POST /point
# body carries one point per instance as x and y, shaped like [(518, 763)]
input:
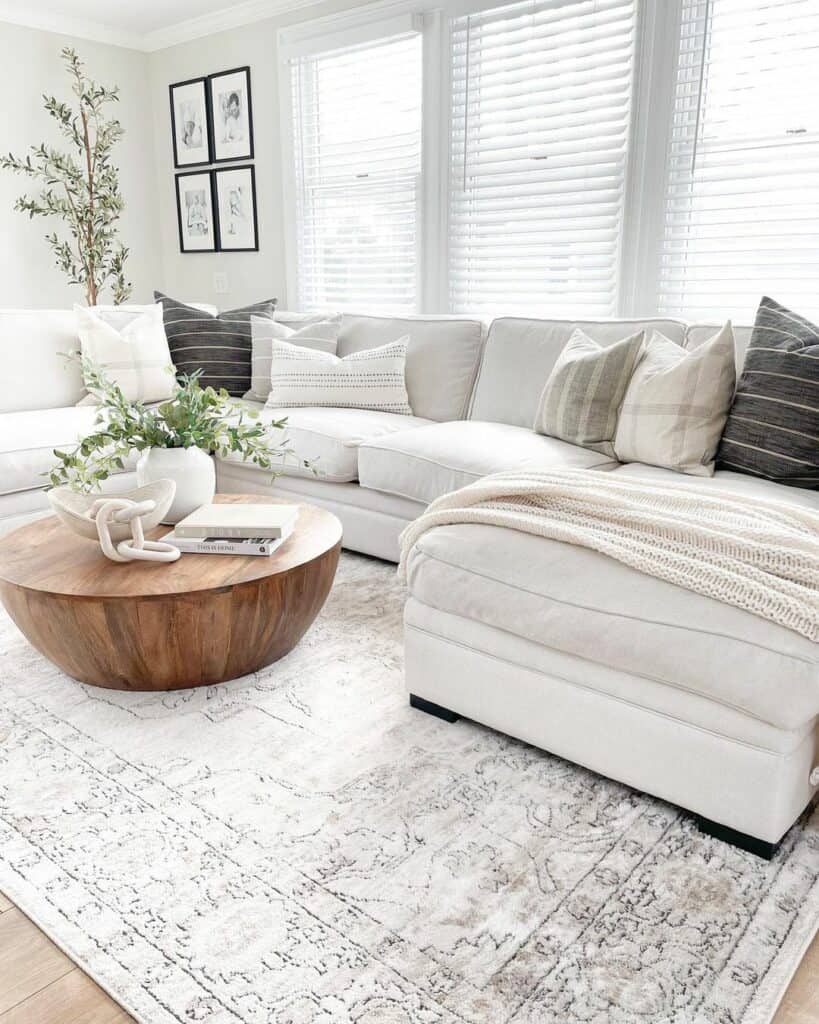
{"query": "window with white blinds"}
[(742, 192), (541, 93), (357, 155)]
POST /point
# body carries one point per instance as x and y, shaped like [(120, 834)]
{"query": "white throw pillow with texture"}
[(373, 378), (130, 347), (677, 403), (320, 334)]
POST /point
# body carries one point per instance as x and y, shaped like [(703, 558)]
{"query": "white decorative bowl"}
[(72, 508)]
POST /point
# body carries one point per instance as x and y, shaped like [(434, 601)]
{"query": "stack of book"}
[(240, 529)]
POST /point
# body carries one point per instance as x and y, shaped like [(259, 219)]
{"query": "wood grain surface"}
[(147, 626)]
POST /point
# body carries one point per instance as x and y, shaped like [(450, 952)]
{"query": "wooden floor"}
[(40, 985)]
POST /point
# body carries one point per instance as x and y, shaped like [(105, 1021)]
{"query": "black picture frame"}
[(208, 177), (207, 126), (245, 153), (221, 231)]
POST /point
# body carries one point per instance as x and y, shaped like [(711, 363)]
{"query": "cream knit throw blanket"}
[(759, 555)]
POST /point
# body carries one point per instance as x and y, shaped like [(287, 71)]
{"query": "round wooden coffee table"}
[(148, 626)]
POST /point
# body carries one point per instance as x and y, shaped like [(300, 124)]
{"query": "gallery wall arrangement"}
[(212, 123)]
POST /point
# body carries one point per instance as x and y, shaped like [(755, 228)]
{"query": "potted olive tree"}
[(80, 186)]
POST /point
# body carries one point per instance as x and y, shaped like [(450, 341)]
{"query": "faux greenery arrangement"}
[(80, 187), (195, 417)]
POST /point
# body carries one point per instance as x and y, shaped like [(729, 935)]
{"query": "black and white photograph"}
[(190, 123), (236, 221), (231, 115), (194, 207)]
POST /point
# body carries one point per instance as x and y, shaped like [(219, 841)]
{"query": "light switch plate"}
[(220, 284)]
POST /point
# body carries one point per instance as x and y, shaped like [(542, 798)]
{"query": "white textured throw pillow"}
[(677, 403), (131, 349), (319, 333), (370, 379)]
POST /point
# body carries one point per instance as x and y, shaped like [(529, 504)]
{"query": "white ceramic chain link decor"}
[(108, 511), (119, 522)]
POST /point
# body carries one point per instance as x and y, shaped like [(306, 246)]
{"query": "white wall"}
[(31, 66), (251, 276)]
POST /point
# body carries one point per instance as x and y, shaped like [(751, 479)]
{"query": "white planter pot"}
[(192, 471)]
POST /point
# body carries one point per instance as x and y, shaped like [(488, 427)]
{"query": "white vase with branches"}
[(80, 187)]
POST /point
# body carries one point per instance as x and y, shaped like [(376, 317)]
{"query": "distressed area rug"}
[(300, 846)]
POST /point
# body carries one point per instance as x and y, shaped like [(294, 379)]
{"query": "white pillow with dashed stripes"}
[(370, 379)]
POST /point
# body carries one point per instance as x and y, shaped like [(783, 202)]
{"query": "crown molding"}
[(28, 16), (220, 21), (235, 16)]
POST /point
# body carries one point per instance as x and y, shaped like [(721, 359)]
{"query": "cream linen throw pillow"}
[(583, 394), (370, 379), (677, 403), (320, 333), (131, 349)]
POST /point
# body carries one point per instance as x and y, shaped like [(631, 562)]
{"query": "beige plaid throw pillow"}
[(583, 394), (677, 403)]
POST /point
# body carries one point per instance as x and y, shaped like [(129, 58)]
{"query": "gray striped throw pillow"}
[(370, 379), (219, 345), (321, 334), (582, 397), (773, 426)]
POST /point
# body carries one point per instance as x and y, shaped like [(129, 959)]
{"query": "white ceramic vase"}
[(191, 469)]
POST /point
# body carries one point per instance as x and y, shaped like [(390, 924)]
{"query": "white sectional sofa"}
[(694, 701)]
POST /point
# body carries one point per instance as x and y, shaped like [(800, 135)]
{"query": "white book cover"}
[(219, 546), (237, 520)]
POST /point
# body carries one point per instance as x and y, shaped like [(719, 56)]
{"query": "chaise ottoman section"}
[(686, 698)]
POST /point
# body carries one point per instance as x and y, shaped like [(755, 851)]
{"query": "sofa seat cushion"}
[(329, 437), (28, 440), (584, 604), (424, 464)]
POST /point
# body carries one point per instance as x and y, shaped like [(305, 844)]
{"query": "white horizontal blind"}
[(541, 95), (357, 146), (742, 195)]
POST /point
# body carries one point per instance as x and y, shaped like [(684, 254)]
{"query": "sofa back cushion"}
[(521, 353), (442, 357), (36, 373), (699, 332)]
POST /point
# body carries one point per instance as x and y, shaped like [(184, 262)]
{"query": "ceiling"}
[(144, 25)]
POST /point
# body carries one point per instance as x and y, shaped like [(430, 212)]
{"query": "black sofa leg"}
[(433, 709), (745, 842)]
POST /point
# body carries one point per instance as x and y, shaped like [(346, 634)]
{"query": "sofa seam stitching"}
[(621, 615), (621, 700)]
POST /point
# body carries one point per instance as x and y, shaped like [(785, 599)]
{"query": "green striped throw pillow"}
[(582, 397)]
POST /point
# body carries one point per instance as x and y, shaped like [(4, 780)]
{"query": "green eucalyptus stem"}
[(195, 417), (81, 187)]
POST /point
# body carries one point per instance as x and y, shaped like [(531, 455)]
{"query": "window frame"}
[(653, 84)]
